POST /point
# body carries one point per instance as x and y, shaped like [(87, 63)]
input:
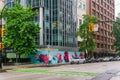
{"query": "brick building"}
[(105, 11)]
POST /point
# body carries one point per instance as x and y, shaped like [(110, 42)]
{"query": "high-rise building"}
[(105, 11), (81, 10), (58, 22), (1, 7)]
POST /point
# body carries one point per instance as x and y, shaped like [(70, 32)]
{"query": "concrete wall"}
[(53, 57)]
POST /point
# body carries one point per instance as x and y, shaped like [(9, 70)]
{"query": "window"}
[(93, 12), (80, 21), (98, 45), (60, 37), (80, 5), (36, 18), (10, 3), (47, 12), (84, 7), (60, 26), (55, 38), (47, 24), (70, 39), (98, 37), (101, 9), (101, 2), (101, 45), (93, 4), (97, 7), (97, 1), (37, 3), (97, 14), (19, 1)]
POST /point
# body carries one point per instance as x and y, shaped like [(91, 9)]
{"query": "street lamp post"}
[(1, 30)]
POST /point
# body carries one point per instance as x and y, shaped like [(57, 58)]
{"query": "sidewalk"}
[(28, 65), (16, 66)]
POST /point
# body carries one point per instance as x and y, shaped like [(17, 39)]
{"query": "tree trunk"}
[(16, 58), (19, 57)]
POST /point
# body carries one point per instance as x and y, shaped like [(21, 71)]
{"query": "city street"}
[(64, 72), (48, 39)]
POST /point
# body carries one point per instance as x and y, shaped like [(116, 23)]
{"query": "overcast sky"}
[(117, 7)]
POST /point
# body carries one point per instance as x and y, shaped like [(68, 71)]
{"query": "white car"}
[(106, 59), (77, 61)]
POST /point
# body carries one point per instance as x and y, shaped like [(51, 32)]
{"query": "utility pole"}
[(2, 32), (0, 41)]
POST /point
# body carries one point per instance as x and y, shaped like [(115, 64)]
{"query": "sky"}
[(117, 7)]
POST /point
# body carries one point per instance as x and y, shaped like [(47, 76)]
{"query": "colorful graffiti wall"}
[(54, 57)]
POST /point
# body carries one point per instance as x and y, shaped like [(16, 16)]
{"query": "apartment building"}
[(105, 11)]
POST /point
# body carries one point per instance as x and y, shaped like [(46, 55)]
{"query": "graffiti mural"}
[(54, 57)]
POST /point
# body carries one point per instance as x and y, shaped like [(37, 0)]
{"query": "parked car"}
[(90, 60), (98, 59), (111, 58), (93, 60), (77, 61), (106, 59), (118, 58)]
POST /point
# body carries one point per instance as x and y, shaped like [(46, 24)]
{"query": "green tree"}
[(87, 36), (21, 31), (116, 33)]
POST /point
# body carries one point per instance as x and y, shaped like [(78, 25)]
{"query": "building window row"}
[(104, 46), (106, 16), (104, 39), (105, 8), (104, 2), (82, 5)]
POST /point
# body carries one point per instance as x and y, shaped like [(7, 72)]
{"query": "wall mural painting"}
[(54, 57)]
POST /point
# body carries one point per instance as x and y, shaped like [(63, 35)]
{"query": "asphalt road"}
[(65, 72)]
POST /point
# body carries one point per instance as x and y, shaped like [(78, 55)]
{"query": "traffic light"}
[(1, 45), (3, 33), (91, 27)]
